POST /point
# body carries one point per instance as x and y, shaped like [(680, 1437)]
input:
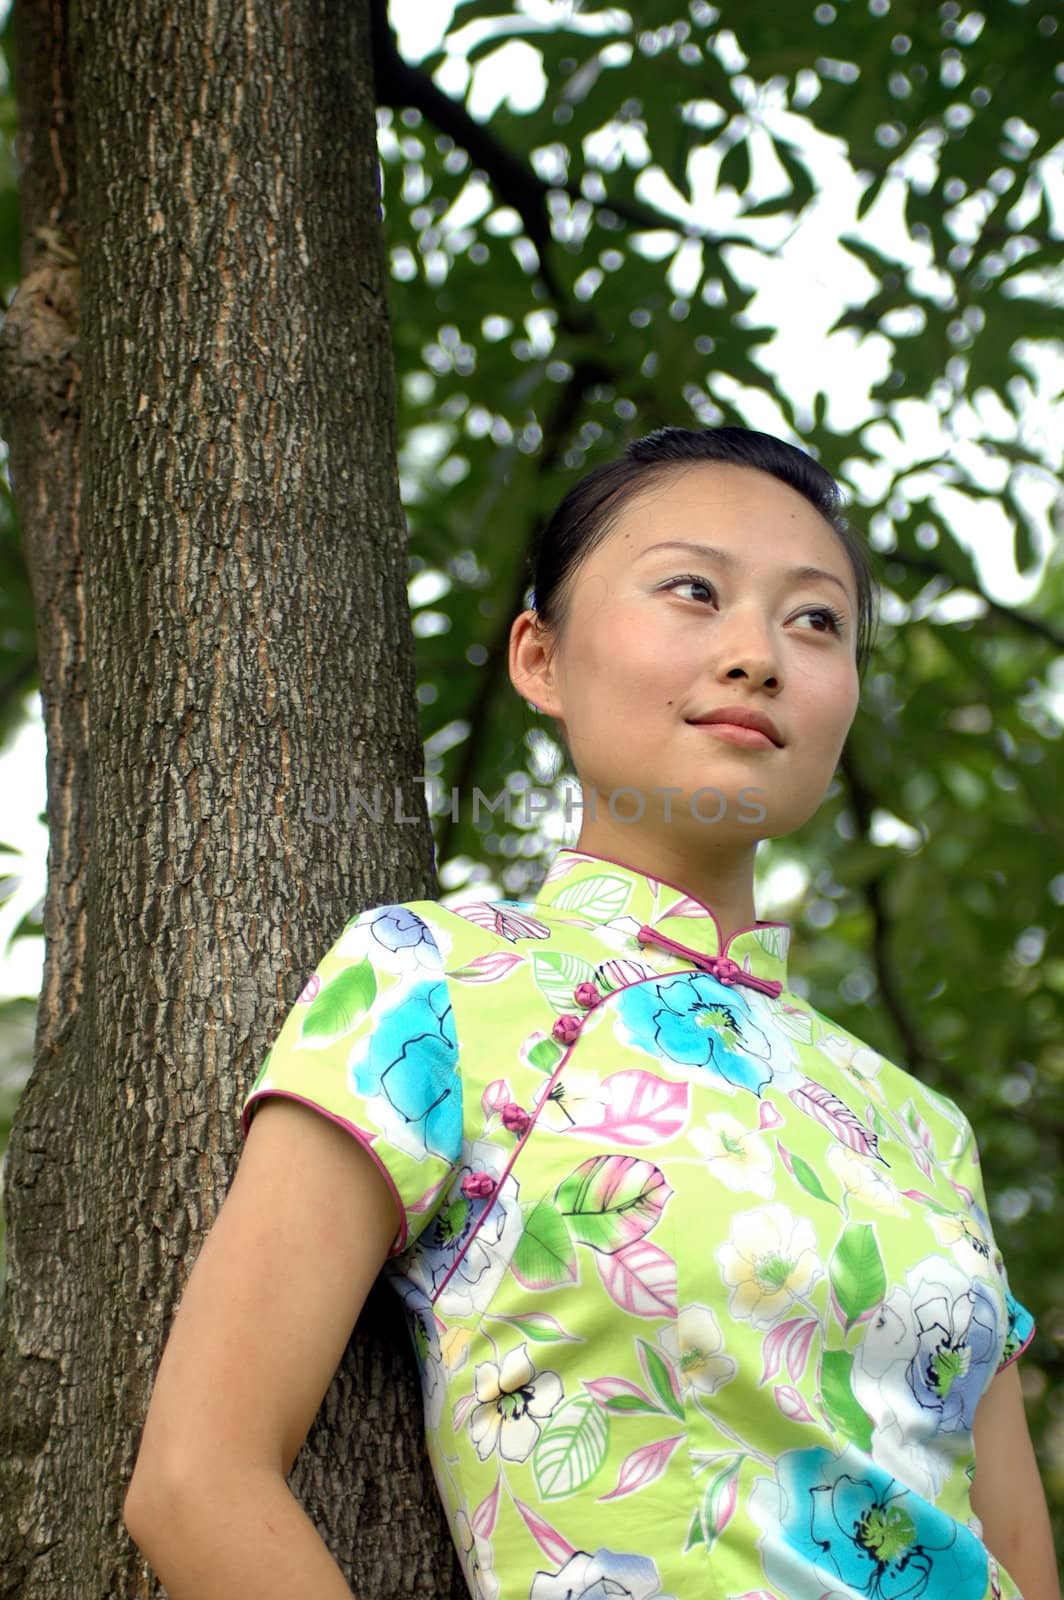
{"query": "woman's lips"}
[(736, 735)]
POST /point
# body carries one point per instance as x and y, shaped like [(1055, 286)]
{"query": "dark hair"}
[(588, 511)]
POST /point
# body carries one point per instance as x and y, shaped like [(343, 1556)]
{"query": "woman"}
[(704, 1292)]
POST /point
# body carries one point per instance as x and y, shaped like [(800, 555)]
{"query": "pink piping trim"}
[(722, 947), (348, 1127), (655, 977), (1016, 1354), (650, 935)]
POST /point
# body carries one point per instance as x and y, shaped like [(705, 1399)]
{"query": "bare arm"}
[(260, 1331), (1007, 1493)]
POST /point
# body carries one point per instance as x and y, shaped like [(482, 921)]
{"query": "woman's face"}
[(658, 634)]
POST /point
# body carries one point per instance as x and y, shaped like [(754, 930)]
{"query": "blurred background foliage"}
[(839, 222)]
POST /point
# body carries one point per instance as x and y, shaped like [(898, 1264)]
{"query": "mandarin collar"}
[(599, 889)]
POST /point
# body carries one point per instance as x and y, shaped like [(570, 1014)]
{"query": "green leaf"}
[(571, 1448), (556, 974), (858, 1276), (839, 1401), (340, 1003), (611, 1201), (545, 1055), (718, 1504), (660, 1379), (808, 1179), (545, 1254), (541, 1328)]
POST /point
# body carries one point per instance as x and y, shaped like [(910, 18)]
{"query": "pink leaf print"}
[(488, 968), (643, 1466), (789, 1342), (920, 1140), (495, 1096), (791, 1404), (640, 1109), (606, 1389), (462, 1408), (619, 974), (835, 1115), (686, 907), (309, 990), (770, 1117), (641, 1279), (483, 1518), (550, 1541)]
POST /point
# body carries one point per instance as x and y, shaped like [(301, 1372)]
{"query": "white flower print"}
[(736, 1155), (514, 1401), (694, 1345), (768, 1262), (963, 1233), (856, 1059), (864, 1181)]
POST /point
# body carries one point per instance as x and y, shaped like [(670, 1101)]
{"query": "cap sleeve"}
[(966, 1175), (370, 1044)]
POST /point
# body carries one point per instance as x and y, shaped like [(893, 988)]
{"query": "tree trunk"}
[(238, 644)]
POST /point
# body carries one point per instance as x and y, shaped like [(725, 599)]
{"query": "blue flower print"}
[(924, 1363), (1020, 1327), (396, 928), (697, 1021), (606, 1575), (856, 1526), (411, 1065)]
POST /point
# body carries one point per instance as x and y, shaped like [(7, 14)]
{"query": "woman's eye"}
[(690, 581), (835, 620)]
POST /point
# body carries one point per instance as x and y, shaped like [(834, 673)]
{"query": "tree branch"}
[(917, 1053)]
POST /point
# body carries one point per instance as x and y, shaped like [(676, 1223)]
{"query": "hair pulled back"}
[(589, 510)]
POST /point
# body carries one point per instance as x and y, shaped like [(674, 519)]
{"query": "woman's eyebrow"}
[(727, 559)]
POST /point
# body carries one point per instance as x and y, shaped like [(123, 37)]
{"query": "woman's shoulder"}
[(930, 1115)]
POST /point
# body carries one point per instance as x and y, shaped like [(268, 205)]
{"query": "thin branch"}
[(493, 671), (917, 1053), (1023, 619)]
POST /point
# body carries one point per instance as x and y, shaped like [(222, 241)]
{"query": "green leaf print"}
[(556, 974), (545, 1055), (541, 1328), (838, 1399), (545, 1256), (611, 1201), (718, 1503), (571, 1448), (858, 1276), (340, 1003), (603, 896), (808, 1179), (659, 1378)]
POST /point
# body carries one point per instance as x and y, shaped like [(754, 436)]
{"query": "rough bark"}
[(246, 645)]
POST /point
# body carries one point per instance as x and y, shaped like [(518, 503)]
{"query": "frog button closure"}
[(478, 1185), (587, 994), (567, 1028)]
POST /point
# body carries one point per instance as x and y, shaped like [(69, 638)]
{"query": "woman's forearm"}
[(243, 1538)]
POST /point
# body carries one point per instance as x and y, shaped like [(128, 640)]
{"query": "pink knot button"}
[(478, 1185), (725, 969), (567, 1028), (586, 994), (515, 1118)]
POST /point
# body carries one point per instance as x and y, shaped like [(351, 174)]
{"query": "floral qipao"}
[(703, 1290)]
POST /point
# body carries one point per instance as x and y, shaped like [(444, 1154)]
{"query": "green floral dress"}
[(703, 1289)]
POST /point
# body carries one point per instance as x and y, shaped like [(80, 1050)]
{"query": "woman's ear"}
[(529, 661)]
